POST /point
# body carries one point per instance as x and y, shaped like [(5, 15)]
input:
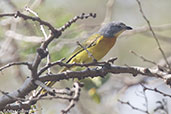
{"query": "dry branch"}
[(42, 52), (154, 35), (105, 69), (37, 77), (15, 63), (133, 107)]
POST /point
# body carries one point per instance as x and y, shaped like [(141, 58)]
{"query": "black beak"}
[(128, 28)]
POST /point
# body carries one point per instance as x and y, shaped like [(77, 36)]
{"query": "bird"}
[(97, 44)]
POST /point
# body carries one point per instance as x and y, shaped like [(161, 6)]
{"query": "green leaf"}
[(94, 95)]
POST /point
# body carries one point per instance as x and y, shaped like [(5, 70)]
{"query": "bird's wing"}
[(91, 41)]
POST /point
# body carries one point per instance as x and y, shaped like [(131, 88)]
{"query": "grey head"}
[(113, 29)]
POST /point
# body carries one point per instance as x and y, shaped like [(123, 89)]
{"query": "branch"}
[(59, 62), (133, 107), (29, 84), (41, 26), (77, 87), (143, 58), (94, 72), (163, 106), (89, 54), (26, 88), (65, 94), (105, 69), (154, 35), (146, 101), (44, 33), (25, 17), (48, 89), (150, 61), (155, 90), (16, 63), (70, 22), (62, 64), (42, 52)]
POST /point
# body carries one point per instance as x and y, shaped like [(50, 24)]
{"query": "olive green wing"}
[(91, 41)]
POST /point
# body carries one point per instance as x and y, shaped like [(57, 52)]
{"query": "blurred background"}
[(19, 40)]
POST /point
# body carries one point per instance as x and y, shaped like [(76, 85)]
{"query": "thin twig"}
[(41, 26), (155, 90), (42, 53), (44, 33), (28, 85), (11, 97), (154, 35), (65, 94), (102, 71), (149, 61), (43, 69), (146, 100), (77, 88), (133, 107), (48, 62), (89, 53), (41, 84), (70, 22), (15, 63), (143, 58), (62, 64), (163, 105)]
